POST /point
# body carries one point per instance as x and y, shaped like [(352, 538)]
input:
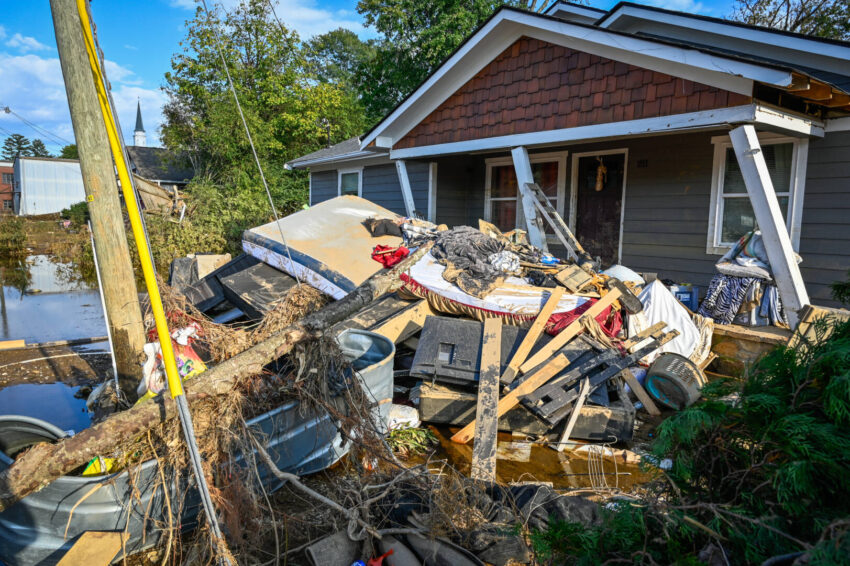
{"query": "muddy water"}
[(42, 301), (518, 460)]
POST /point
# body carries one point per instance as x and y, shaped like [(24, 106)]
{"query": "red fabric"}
[(610, 320), (391, 258)]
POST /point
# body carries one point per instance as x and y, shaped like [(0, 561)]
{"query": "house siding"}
[(323, 186), (380, 185), (536, 86), (825, 231)]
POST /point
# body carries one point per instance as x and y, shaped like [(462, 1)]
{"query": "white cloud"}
[(307, 17), (2, 32), (130, 47), (25, 44), (34, 88)]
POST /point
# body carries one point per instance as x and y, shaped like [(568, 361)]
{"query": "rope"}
[(251, 141)]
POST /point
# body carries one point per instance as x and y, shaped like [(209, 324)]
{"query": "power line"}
[(38, 129)]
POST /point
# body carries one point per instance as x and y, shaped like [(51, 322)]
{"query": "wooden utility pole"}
[(123, 312)]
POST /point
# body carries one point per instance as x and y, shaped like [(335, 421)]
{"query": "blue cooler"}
[(687, 294)]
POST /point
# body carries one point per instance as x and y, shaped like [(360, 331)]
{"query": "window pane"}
[(546, 175), (778, 159), (503, 183), (739, 218), (503, 214), (348, 183)]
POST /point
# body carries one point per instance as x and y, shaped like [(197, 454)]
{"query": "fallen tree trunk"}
[(44, 463)]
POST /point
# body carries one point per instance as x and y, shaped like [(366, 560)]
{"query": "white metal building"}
[(45, 185)]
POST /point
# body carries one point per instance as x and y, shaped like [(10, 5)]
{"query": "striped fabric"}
[(724, 297)]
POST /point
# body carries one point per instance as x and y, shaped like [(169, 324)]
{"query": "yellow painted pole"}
[(175, 387)]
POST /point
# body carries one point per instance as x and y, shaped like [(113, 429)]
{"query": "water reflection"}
[(55, 403), (44, 299)]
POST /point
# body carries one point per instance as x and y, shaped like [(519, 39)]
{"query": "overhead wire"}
[(293, 269), (38, 129)]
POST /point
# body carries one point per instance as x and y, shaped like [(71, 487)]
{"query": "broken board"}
[(94, 548), (486, 420)]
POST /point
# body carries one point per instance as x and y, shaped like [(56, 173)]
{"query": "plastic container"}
[(674, 381), (688, 295), (371, 355)]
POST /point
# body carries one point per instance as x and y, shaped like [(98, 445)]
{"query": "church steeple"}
[(139, 137)]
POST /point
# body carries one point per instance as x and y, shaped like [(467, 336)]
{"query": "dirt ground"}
[(63, 364)]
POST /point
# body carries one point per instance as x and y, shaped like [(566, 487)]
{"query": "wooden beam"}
[(402, 325), (569, 332), (798, 83), (817, 92), (777, 242), (533, 334), (838, 100), (511, 399), (522, 167), (406, 192), (486, 421)]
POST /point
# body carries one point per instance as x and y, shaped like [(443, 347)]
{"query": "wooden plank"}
[(13, 344), (486, 420), (94, 548), (569, 332), (582, 397), (533, 335), (652, 332), (640, 392), (771, 221), (403, 325), (810, 314), (374, 313), (511, 399)]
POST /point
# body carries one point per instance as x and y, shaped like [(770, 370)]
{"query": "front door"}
[(599, 201)]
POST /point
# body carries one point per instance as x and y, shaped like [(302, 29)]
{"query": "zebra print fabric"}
[(724, 297)]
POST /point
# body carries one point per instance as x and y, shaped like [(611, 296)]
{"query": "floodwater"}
[(52, 402), (519, 460), (42, 301)]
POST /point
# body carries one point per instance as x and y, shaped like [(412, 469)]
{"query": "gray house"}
[(660, 136)]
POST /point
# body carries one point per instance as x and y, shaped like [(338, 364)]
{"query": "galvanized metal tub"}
[(40, 528)]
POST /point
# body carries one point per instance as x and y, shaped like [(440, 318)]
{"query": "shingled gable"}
[(508, 26), (536, 86)]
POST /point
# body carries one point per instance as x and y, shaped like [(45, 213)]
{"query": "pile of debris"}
[(410, 322)]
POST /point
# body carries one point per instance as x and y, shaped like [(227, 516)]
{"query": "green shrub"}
[(13, 236), (78, 213)]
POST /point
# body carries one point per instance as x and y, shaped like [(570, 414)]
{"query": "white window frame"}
[(556, 156), (341, 172), (574, 189), (796, 189)]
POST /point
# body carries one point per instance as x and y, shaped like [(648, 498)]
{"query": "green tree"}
[(38, 149), (69, 152), (16, 145), (336, 57), (283, 103), (823, 18), (416, 37)]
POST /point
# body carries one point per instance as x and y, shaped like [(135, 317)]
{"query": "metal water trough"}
[(40, 528)]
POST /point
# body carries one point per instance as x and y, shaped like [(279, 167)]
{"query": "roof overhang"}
[(352, 156), (508, 25), (791, 47), (575, 12), (768, 118)]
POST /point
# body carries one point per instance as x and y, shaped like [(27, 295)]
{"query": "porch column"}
[(406, 191), (774, 232), (522, 166)]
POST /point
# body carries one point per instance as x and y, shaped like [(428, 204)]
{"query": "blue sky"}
[(138, 38)]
